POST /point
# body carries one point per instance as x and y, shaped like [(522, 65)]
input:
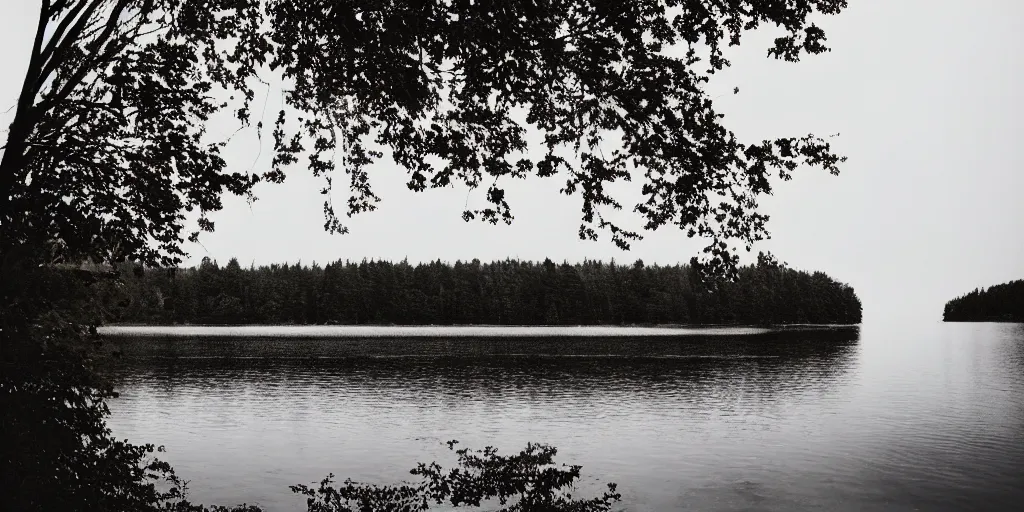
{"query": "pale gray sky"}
[(925, 94)]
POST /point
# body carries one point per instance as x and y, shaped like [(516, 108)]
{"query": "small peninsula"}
[(508, 292), (999, 303)]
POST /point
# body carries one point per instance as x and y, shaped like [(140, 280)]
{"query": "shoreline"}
[(446, 331)]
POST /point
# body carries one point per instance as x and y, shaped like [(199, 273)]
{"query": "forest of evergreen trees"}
[(1000, 303), (506, 292)]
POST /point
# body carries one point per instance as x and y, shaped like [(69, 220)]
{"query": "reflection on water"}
[(795, 419), (354, 341), (413, 331)]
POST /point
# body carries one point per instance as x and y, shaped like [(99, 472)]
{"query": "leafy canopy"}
[(108, 146)]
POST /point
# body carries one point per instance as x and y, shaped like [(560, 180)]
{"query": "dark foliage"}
[(56, 452), (108, 147), (450, 90), (108, 144), (501, 293), (527, 482), (999, 303)]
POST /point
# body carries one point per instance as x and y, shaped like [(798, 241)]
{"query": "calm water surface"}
[(885, 417)]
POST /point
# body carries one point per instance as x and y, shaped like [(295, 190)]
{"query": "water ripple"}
[(921, 417)]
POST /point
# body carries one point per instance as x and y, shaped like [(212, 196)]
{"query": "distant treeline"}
[(506, 292), (1000, 303)]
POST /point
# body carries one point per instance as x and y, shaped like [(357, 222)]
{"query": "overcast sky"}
[(926, 95)]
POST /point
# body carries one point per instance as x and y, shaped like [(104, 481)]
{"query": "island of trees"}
[(999, 303), (508, 292)]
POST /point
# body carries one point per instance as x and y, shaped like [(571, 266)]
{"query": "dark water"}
[(885, 417)]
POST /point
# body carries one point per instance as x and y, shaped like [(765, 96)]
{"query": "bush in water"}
[(526, 482)]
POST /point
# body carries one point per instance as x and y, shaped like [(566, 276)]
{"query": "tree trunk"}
[(10, 171)]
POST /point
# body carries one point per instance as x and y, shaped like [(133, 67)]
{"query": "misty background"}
[(924, 94)]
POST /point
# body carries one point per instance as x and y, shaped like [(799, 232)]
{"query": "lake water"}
[(890, 416)]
